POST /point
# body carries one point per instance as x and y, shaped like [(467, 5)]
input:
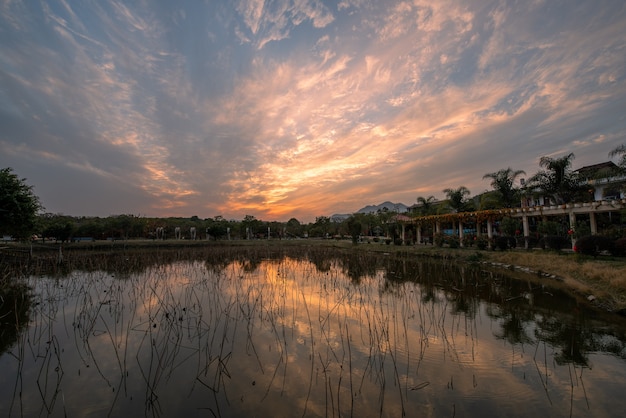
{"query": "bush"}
[(593, 245), (555, 242), (482, 243), (453, 241), (532, 242), (512, 242), (439, 239), (502, 243), (620, 247)]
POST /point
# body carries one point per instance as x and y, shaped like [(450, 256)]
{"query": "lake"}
[(304, 334)]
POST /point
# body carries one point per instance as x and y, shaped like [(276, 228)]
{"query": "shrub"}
[(482, 243), (512, 242), (502, 243), (453, 241), (555, 242), (593, 245), (439, 239), (532, 242), (620, 247)]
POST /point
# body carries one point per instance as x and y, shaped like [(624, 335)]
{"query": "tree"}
[(557, 180), (426, 204), (18, 206), (621, 164), (457, 198), (354, 227), (503, 182), (621, 152), (294, 228)]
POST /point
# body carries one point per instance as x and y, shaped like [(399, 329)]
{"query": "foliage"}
[(439, 239), (509, 225), (621, 152), (457, 198), (426, 205), (453, 241), (555, 242), (469, 240), (354, 227), (582, 229), (501, 243), (593, 245), (217, 229), (558, 181), (18, 206), (503, 182), (620, 247), (487, 201), (549, 228), (482, 242), (294, 228)]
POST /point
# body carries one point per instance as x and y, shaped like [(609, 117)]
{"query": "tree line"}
[(21, 217)]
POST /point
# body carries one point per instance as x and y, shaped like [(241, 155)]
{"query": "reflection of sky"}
[(280, 337), (299, 108)]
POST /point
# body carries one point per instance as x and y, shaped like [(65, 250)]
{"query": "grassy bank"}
[(600, 281)]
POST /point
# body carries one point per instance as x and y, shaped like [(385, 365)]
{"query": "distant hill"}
[(391, 207)]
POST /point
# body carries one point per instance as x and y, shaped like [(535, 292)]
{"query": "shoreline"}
[(599, 282)]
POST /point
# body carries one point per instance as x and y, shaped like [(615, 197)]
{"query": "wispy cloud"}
[(298, 108)]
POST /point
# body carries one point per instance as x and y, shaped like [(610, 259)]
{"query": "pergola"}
[(488, 217)]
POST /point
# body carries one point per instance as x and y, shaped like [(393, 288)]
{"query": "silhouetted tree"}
[(557, 180), (503, 182), (18, 205), (457, 198), (426, 205)]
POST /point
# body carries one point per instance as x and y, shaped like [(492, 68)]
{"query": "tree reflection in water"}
[(308, 332)]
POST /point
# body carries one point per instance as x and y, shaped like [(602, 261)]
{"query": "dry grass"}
[(603, 277)]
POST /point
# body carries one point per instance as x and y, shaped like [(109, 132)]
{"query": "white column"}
[(592, 223), (572, 225), (526, 230), (489, 231), (461, 233)]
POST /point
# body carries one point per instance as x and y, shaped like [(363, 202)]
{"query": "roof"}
[(592, 169)]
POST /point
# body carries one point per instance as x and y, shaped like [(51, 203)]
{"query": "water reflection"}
[(308, 334)]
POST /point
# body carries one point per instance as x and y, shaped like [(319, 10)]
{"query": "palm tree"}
[(503, 182), (557, 180), (621, 165), (457, 198), (621, 152), (426, 204)]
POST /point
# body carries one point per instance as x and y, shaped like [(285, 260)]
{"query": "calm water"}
[(306, 336)]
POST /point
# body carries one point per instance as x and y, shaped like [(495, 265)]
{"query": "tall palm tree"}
[(457, 198), (621, 165), (426, 204), (503, 182), (621, 152), (557, 180)]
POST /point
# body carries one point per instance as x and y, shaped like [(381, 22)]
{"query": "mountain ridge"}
[(390, 206)]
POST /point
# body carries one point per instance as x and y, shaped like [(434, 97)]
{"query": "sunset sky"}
[(299, 108)]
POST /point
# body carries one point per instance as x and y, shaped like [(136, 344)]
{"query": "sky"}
[(284, 109)]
